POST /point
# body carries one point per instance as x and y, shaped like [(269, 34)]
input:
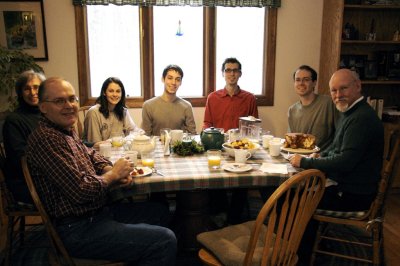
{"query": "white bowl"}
[(231, 151)]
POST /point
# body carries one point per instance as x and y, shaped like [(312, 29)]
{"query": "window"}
[(178, 39), (241, 38), (114, 47), (199, 48)]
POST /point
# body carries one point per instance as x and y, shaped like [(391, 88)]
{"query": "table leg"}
[(193, 217)]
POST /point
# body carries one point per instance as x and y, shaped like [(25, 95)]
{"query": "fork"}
[(155, 171)]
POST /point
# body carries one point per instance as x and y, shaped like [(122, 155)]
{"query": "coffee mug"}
[(176, 135), (275, 147), (241, 155), (266, 139)]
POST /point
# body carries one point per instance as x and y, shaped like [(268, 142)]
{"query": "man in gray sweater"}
[(354, 160), (314, 113)]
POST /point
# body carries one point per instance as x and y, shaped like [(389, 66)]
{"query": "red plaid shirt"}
[(65, 171)]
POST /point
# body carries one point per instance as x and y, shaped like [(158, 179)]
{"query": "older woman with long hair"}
[(110, 116)]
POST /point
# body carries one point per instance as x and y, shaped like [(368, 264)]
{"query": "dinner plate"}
[(146, 171), (300, 151), (236, 167)]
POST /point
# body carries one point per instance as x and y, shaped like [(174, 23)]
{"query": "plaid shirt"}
[(65, 171)]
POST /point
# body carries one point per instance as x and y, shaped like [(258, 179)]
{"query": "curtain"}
[(210, 3)]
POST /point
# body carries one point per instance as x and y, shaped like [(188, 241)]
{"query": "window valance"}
[(210, 3)]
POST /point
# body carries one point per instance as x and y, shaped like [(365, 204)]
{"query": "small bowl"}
[(231, 151)]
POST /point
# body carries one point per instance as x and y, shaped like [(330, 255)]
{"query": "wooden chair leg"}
[(376, 245), (316, 243), (9, 240)]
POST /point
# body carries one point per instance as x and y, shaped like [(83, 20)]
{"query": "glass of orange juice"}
[(147, 158), (117, 141), (214, 159)]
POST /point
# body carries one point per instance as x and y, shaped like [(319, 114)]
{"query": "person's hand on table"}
[(314, 155), (295, 160), (120, 172)]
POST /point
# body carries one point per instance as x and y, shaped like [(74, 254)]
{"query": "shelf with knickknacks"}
[(371, 35)]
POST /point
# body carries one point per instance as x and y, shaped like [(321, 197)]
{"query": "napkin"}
[(167, 140), (274, 168)]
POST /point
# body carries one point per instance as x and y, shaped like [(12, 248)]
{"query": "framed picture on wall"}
[(22, 26)]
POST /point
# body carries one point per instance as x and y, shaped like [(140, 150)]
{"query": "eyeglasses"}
[(234, 71), (60, 102), (305, 80)]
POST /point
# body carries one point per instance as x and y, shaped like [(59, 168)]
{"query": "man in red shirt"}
[(225, 106), (223, 109)]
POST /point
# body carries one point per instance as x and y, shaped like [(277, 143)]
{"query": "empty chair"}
[(370, 222), (274, 237)]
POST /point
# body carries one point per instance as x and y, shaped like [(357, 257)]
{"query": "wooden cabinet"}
[(347, 42), (372, 56)]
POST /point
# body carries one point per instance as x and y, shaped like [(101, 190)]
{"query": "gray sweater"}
[(319, 118), (158, 114)]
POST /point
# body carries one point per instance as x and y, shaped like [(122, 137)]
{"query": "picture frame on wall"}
[(22, 26)]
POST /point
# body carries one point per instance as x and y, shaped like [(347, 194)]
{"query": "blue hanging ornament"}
[(179, 31)]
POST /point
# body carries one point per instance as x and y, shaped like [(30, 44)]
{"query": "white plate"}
[(301, 151), (236, 167), (146, 171)]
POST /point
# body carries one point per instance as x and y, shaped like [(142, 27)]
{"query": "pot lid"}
[(250, 119), (141, 138), (212, 130)]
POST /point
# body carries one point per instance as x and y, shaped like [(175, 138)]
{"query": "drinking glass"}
[(214, 159), (105, 149), (163, 132), (147, 158), (117, 140)]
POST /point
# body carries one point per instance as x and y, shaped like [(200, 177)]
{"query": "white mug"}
[(176, 135), (105, 149), (241, 155), (275, 147), (266, 139)]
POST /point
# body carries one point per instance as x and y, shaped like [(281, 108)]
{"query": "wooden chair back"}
[(274, 237), (81, 118), (286, 214), (378, 206), (60, 254), (13, 223)]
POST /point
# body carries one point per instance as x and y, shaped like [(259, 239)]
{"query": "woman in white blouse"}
[(109, 117)]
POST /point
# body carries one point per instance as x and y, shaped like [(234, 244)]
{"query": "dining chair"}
[(369, 222), (59, 254), (14, 218), (81, 118), (274, 237)]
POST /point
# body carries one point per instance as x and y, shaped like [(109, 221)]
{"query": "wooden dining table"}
[(191, 179)]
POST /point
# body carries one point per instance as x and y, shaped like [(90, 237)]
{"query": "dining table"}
[(190, 178)]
